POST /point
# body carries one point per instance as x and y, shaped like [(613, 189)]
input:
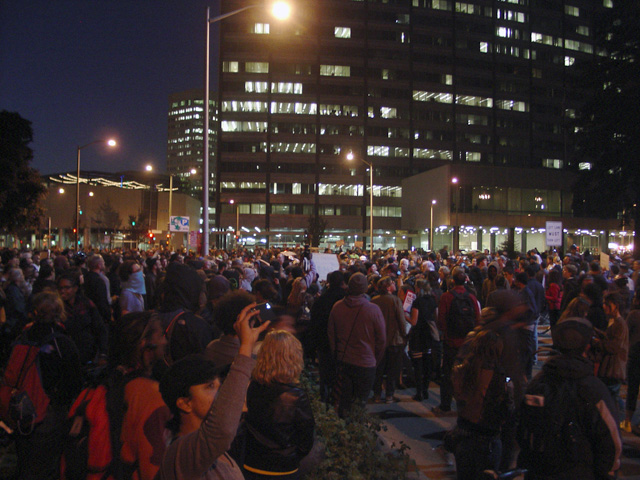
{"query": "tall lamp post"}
[(111, 143), (433, 204), (350, 157), (456, 231), (232, 202), (280, 10)]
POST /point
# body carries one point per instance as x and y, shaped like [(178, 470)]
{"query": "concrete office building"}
[(407, 86)]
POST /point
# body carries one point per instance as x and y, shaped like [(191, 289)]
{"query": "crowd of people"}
[(214, 391)]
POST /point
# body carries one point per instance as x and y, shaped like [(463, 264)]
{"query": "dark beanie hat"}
[(217, 287), (191, 370), (358, 284), (572, 334)]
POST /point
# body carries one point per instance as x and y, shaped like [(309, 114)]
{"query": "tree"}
[(315, 230), (21, 188), (608, 130), (107, 217)]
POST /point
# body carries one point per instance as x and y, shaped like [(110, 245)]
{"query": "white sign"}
[(604, 261), (554, 234), (325, 264), (408, 302), (179, 224)]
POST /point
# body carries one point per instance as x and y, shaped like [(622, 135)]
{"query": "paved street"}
[(413, 423)]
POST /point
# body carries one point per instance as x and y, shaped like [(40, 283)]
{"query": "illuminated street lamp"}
[(281, 11), (111, 143), (232, 202), (456, 231), (350, 157)]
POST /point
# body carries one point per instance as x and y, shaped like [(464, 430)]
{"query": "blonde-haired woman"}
[(279, 420)]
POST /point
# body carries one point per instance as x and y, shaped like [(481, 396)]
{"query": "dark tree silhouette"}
[(21, 188)]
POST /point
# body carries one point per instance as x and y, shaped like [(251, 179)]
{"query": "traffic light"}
[(74, 230), (133, 223)]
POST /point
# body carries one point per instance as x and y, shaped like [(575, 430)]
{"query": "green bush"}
[(352, 448)]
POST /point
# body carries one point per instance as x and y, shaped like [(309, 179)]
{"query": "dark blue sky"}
[(82, 70)]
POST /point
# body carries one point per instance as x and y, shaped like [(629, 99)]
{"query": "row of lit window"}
[(286, 209), (276, 87), (469, 100)]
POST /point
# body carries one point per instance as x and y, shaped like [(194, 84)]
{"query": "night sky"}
[(83, 70)]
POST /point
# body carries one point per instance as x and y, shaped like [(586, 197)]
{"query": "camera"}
[(267, 313)]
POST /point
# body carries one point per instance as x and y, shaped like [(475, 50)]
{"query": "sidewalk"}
[(414, 424)]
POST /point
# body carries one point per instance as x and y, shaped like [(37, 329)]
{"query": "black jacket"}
[(588, 419), (280, 427)]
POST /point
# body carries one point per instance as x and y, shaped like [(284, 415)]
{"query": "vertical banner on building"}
[(554, 234), (193, 239)]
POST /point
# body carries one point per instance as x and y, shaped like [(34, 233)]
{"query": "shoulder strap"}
[(353, 325), (167, 333)]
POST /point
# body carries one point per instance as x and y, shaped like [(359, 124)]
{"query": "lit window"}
[(473, 101), (584, 166), (335, 70), (342, 32), (552, 163), (568, 61), (607, 3), (255, 87), (388, 112), (473, 156), (377, 151), (484, 47), (256, 67), (230, 67), (260, 28), (422, 96), (441, 5), (573, 11), (582, 30)]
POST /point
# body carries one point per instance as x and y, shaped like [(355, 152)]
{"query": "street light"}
[(433, 203), (111, 143), (350, 157), (279, 10), (456, 231), (149, 168), (231, 202)]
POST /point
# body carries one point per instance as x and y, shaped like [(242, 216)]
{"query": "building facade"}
[(406, 86)]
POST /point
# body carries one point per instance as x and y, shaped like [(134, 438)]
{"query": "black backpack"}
[(549, 433), (462, 315)]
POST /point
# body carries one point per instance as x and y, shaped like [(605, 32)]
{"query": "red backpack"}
[(23, 400)]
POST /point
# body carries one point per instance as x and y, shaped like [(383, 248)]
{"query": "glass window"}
[(256, 67), (260, 28), (230, 67), (342, 32), (335, 70), (258, 208)]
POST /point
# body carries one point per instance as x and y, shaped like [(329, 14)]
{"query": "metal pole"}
[(78, 200), (237, 225), (170, 207), (431, 227), (371, 210), (205, 160)]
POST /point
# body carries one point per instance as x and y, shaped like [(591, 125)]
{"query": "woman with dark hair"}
[(553, 294), (484, 400), (279, 420), (423, 336), (84, 323), (59, 365), (133, 287)]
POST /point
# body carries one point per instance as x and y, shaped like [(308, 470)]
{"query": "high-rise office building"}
[(406, 86), (185, 140)]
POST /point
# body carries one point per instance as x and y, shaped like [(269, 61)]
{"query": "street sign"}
[(179, 224), (554, 234)]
